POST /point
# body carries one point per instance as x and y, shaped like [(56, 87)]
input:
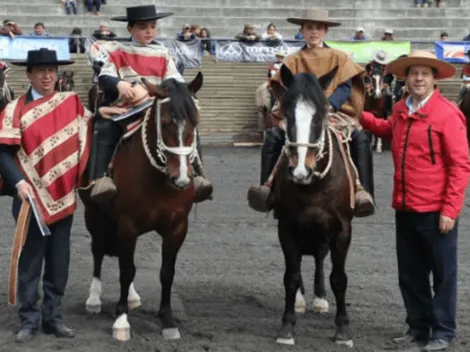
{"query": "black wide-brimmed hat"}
[(142, 13), (42, 56)]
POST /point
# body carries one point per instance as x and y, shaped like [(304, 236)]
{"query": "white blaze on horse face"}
[(183, 179), (378, 91), (304, 113)]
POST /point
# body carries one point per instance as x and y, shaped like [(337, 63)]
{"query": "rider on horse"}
[(465, 75), (345, 94), (276, 65), (120, 77)]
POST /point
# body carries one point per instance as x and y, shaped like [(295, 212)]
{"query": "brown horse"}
[(464, 106), (152, 173), (65, 82), (375, 98), (312, 199)]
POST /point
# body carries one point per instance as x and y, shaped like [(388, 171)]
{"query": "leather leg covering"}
[(361, 154), (258, 195), (106, 134)]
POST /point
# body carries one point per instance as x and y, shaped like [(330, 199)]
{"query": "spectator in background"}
[(299, 35), (207, 46), (359, 34), (10, 28), (444, 36), (421, 3), (466, 38), (271, 33), (70, 6), (186, 34), (93, 3), (103, 32), (39, 30), (388, 35), (76, 42), (196, 30), (248, 34)]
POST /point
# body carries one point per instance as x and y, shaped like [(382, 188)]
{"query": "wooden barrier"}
[(227, 98)]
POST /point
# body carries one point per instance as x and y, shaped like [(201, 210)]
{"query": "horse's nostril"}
[(291, 169)]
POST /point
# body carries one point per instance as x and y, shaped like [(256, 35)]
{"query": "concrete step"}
[(328, 4)]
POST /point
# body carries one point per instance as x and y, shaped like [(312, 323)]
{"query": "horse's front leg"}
[(339, 281), (171, 244), (292, 259), (320, 304), (126, 248)]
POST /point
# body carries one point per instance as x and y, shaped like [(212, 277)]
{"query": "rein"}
[(162, 164)]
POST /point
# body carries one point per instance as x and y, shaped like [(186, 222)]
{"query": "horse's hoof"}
[(320, 305), (134, 304), (171, 334), (348, 343), (288, 339), (122, 329), (93, 308), (300, 304)]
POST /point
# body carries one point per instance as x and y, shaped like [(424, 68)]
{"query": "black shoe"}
[(59, 330), (25, 334)]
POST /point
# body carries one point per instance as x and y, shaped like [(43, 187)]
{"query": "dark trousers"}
[(423, 250), (54, 251), (91, 3)]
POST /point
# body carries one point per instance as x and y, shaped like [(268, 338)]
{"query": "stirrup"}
[(364, 203), (259, 198), (202, 189)]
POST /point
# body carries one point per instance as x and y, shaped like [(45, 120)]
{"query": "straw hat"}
[(313, 15), (281, 53), (421, 58)]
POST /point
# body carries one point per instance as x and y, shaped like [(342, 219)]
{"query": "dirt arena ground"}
[(228, 293)]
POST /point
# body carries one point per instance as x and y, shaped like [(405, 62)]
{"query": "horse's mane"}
[(306, 87), (181, 101)]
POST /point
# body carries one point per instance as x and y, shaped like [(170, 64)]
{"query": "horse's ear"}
[(154, 89), (278, 90), (325, 80), (286, 76), (196, 83)]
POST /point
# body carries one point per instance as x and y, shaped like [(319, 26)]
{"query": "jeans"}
[(90, 3)]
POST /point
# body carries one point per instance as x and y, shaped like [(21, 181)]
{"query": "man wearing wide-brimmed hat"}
[(43, 153), (345, 94), (121, 81), (430, 153)]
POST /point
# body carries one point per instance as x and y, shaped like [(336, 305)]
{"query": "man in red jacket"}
[(430, 153)]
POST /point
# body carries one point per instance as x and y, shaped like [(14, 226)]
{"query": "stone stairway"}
[(225, 18), (227, 98)]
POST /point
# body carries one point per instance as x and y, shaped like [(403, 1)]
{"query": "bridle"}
[(161, 148), (319, 146)]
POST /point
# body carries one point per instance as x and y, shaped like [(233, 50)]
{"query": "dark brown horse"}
[(312, 199), (65, 82), (376, 100), (464, 106), (153, 176), (6, 94)]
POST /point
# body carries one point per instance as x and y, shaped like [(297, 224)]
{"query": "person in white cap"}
[(388, 35), (359, 34)]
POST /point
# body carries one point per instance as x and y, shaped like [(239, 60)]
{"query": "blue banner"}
[(17, 49), (453, 52)]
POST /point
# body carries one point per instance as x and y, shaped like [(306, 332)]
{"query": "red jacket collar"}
[(422, 113)]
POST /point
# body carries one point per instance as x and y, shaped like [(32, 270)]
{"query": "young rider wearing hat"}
[(345, 94), (430, 153), (43, 153), (127, 64)]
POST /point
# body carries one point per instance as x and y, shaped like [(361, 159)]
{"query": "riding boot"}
[(362, 156), (202, 186), (106, 134), (258, 196)]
